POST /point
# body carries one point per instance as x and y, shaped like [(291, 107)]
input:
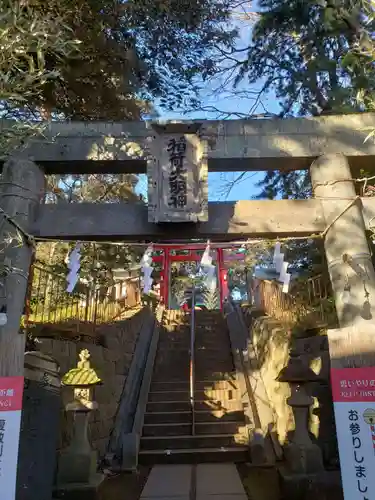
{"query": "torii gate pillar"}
[(347, 251), (351, 347), (22, 187)]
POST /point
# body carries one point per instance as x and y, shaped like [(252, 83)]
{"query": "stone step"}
[(201, 428), (171, 356), (211, 334), (172, 374), (167, 376), (175, 360), (163, 373), (203, 370), (199, 385), (175, 336), (172, 369), (221, 427), (207, 331), (169, 429), (214, 344), (217, 394), (219, 363), (199, 351), (226, 406), (171, 417), (202, 358), (207, 416), (173, 349), (212, 376), (189, 442), (218, 328), (237, 454), (169, 396), (168, 406), (184, 405), (213, 348), (173, 346), (201, 395), (171, 363), (212, 363), (211, 329), (209, 320), (202, 353)]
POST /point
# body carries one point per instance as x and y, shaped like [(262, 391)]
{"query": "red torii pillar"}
[(222, 277), (164, 277)]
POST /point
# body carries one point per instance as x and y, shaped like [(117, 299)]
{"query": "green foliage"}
[(306, 52), (317, 58), (179, 286), (95, 188), (92, 60), (27, 39), (176, 40), (211, 298), (287, 185)]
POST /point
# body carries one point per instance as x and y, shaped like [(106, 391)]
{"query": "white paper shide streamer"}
[(278, 257), (74, 264), (281, 267), (146, 267), (206, 259), (285, 277), (208, 268)]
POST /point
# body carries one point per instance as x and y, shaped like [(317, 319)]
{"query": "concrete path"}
[(189, 482)]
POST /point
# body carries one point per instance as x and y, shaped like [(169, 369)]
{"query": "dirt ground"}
[(125, 486)]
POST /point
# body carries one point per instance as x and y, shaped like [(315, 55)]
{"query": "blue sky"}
[(230, 104)]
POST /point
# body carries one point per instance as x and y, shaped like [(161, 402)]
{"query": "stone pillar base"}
[(303, 459), (76, 467), (79, 491), (324, 485)]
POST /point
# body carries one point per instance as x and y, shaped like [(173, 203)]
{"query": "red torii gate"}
[(193, 253)]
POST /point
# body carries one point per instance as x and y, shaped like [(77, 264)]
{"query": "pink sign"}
[(11, 393), (353, 391), (353, 384)]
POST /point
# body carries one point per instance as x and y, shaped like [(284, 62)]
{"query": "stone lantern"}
[(301, 454), (77, 464)]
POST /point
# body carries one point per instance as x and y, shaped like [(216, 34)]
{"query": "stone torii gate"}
[(330, 147)]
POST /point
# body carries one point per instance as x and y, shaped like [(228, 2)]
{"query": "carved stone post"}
[(302, 455), (21, 189)]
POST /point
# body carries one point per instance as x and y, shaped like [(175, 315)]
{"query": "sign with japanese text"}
[(11, 393), (353, 391), (177, 173), (177, 187)]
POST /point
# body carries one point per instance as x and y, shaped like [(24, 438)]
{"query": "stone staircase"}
[(220, 433)]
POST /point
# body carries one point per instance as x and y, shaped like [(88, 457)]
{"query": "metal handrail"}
[(192, 361)]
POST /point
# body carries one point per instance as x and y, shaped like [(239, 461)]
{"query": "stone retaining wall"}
[(272, 345), (112, 364)]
